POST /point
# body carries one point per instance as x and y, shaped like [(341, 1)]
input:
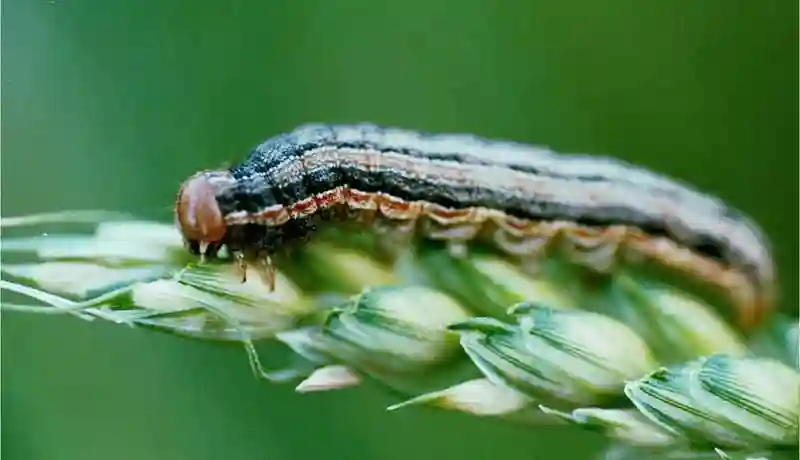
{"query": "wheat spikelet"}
[(654, 367)]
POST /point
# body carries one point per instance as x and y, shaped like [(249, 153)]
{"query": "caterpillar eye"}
[(198, 215)]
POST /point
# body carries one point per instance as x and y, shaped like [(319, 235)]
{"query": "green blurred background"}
[(110, 104)]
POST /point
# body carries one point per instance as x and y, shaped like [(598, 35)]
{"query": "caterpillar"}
[(459, 187)]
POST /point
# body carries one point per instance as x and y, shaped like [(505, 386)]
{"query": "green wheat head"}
[(635, 355)]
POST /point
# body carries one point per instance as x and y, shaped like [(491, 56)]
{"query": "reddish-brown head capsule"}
[(197, 212)]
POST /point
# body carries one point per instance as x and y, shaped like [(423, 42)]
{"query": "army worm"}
[(458, 187)]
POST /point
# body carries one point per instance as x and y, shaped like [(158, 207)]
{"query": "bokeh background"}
[(110, 104)]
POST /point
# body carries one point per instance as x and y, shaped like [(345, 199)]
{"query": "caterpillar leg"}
[(241, 264), (262, 265), (266, 270)]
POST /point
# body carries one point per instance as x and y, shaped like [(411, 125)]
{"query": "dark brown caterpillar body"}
[(459, 187)]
